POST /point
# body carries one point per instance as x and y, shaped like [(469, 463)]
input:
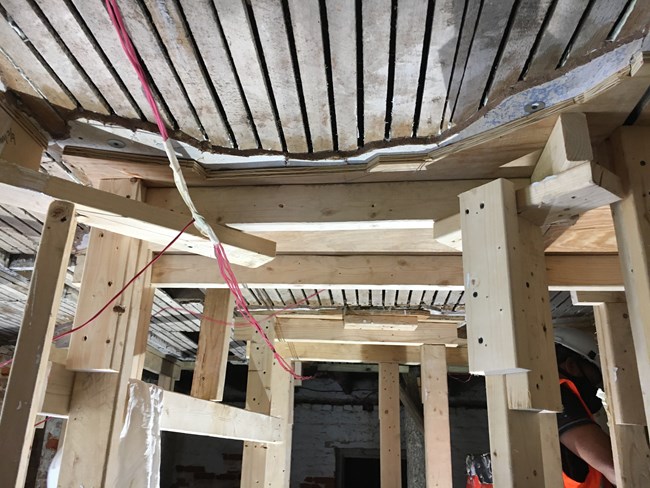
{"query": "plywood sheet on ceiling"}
[(300, 76)]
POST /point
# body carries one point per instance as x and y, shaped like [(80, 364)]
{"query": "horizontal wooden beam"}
[(396, 205), (325, 329), (363, 353), (433, 272), (34, 191), (189, 415), (563, 197)]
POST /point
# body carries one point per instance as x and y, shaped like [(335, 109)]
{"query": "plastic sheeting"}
[(140, 445)]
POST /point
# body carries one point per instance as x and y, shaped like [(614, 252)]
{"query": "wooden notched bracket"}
[(34, 191)]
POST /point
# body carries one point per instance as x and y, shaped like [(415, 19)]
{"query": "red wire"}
[(222, 259), (117, 295)]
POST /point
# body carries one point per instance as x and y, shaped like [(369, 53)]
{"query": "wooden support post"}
[(28, 377), (437, 438), (390, 457), (278, 456), (98, 400), (214, 343), (631, 149), (258, 399), (142, 338), (524, 445), (509, 327), (624, 398)]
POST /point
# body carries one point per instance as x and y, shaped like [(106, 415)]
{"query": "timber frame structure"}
[(555, 200)]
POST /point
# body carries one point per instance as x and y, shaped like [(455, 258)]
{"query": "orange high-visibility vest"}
[(594, 477)]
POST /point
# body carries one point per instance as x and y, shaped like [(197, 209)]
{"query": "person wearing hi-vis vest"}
[(585, 448)]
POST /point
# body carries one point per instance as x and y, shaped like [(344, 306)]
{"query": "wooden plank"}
[(27, 379), (341, 20), (258, 399), (447, 19), (526, 25), (201, 18), (30, 22), (313, 207), (556, 36), (100, 25), (631, 157), (525, 446), (390, 456), (34, 74), (470, 20), (269, 17), (433, 272), (447, 232), (188, 415), (373, 321), (562, 198), (214, 343), (437, 437), (509, 324), (618, 364), (376, 48), (56, 401), (156, 62), (142, 337), (168, 21), (278, 456), (362, 353), (33, 191), (631, 456), (72, 34), (485, 44), (409, 33), (110, 262), (593, 298), (332, 330), (596, 26), (306, 24), (569, 145), (99, 399), (235, 23)]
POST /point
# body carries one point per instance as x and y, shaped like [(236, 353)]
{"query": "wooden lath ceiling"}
[(298, 76)]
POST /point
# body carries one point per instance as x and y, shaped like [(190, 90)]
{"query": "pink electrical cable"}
[(219, 252)]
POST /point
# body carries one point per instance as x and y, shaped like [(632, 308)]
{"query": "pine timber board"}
[(302, 329), (33, 191), (564, 272), (187, 415), (28, 378)]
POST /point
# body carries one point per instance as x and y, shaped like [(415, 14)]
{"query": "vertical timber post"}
[(103, 353), (28, 377), (435, 397), (510, 335), (390, 457), (214, 342), (631, 150), (258, 399)]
